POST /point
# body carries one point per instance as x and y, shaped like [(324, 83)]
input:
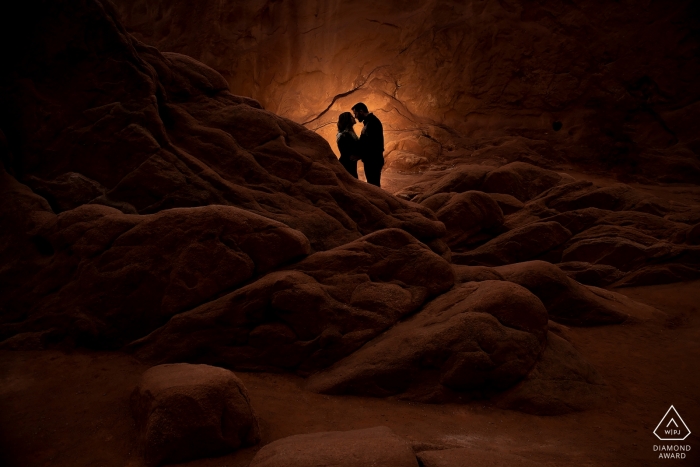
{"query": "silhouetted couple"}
[(369, 147)]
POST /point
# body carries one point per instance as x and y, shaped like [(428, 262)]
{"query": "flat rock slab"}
[(378, 446), (188, 411)]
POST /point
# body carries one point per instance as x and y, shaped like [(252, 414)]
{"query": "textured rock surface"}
[(187, 411), (517, 80), (169, 134), (113, 277), (522, 244), (566, 300), (147, 206), (468, 217), (561, 382), (132, 154), (478, 338), (601, 235), (306, 319), (371, 446)]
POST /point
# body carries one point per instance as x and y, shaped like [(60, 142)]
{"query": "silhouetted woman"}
[(348, 143)]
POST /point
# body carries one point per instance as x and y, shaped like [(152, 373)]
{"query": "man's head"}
[(360, 110)]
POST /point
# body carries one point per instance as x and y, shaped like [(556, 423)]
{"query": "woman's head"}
[(345, 121)]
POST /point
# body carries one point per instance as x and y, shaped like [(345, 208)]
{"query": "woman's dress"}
[(349, 146)]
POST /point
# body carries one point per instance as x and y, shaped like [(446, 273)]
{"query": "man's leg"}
[(373, 172)]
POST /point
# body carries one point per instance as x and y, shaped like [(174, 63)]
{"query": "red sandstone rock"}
[(599, 275), (462, 178), (693, 235), (476, 274), (520, 180), (508, 204), (169, 134), (184, 412), (521, 244), (121, 276), (466, 215), (370, 446), (561, 382), (566, 301), (479, 337), (659, 274), (306, 319), (622, 254), (445, 85)]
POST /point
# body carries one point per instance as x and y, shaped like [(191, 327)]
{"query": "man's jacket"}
[(372, 139)]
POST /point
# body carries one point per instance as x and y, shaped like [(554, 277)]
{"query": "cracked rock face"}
[(517, 80)]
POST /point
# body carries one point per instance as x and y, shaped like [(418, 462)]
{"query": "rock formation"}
[(603, 84), (150, 210), (600, 235)]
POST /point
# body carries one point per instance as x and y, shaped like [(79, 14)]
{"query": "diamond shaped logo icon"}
[(672, 427)]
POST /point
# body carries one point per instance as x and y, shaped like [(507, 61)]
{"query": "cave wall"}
[(449, 78)]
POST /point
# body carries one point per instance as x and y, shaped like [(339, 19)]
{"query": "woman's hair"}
[(344, 121)]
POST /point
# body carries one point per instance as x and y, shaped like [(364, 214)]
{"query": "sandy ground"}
[(72, 409)]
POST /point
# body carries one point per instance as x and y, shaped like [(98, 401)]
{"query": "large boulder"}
[(184, 412), (599, 275), (579, 220), (561, 382), (468, 214), (566, 300), (356, 448), (623, 254), (659, 274), (460, 179), (521, 244), (508, 204), (303, 320), (113, 277), (474, 340), (520, 180), (618, 197)]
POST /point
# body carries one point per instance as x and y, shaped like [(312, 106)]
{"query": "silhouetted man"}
[(371, 143)]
